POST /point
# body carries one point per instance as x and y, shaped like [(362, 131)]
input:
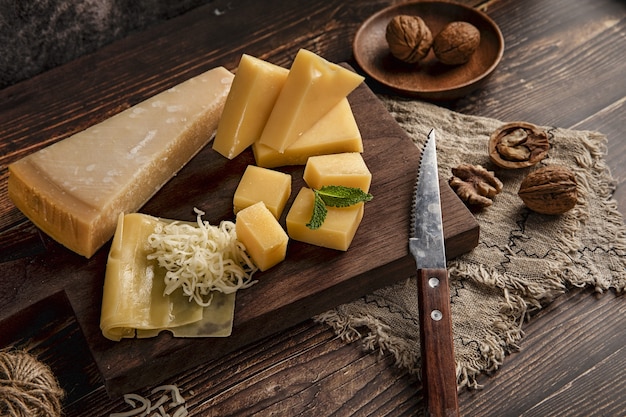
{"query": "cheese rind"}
[(133, 300), (262, 184), (262, 235), (347, 169), (250, 101), (336, 132), (75, 189), (338, 229), (313, 87)]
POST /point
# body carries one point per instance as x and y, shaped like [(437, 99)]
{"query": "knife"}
[(427, 246)]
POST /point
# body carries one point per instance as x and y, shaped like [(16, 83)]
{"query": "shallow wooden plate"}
[(428, 79)]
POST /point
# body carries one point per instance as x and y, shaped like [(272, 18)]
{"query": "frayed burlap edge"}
[(520, 297)]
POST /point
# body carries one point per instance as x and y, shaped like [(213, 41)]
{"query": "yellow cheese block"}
[(250, 101), (313, 87), (75, 189), (338, 229), (335, 132), (347, 169), (262, 235), (133, 301), (261, 184)]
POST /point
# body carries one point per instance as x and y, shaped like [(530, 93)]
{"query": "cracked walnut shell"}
[(549, 190), (409, 38), (475, 185), (518, 145)]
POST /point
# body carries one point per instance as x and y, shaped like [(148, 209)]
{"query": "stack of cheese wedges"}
[(299, 116), (289, 115)]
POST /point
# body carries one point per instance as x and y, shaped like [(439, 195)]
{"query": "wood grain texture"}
[(311, 281), (563, 66)]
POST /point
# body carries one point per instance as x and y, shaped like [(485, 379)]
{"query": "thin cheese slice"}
[(313, 87), (338, 229), (250, 101), (336, 132), (75, 189), (133, 301)]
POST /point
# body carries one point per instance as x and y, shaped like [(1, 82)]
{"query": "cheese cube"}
[(262, 235), (313, 87), (261, 184), (347, 169), (75, 189), (250, 101), (335, 132), (338, 229)]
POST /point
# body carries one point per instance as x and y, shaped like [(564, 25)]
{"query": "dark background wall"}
[(37, 35)]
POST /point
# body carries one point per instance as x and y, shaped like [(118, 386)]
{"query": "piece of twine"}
[(28, 388)]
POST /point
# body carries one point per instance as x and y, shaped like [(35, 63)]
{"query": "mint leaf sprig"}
[(334, 196)]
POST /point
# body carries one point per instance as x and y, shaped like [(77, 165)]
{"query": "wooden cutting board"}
[(310, 281)]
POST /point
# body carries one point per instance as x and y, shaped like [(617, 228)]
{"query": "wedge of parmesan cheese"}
[(75, 189)]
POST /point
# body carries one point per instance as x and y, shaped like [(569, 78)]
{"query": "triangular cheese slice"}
[(313, 87)]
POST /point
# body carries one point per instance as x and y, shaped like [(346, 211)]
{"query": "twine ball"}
[(28, 388)]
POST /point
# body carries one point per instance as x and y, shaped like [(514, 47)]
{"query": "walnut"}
[(475, 185), (409, 38), (549, 190), (518, 145), (456, 43)]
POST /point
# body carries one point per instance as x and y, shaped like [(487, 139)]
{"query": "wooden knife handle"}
[(437, 348)]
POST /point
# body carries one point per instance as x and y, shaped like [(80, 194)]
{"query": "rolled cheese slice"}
[(313, 87), (133, 301), (75, 189)]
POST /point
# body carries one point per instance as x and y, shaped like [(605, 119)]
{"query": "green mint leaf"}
[(334, 196), (319, 212), (341, 196)]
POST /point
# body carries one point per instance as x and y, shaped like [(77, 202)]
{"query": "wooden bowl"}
[(428, 79)]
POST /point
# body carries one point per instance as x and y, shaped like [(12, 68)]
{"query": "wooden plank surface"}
[(563, 66), (311, 281)]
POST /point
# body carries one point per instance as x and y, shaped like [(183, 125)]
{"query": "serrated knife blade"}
[(427, 246)]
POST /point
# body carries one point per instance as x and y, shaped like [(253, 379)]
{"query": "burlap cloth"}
[(523, 259)]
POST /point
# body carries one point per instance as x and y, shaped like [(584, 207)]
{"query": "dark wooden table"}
[(563, 66)]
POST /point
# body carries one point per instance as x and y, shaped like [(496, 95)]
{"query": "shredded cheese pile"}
[(143, 407), (201, 259)]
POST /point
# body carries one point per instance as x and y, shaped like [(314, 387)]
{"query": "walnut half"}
[(518, 145), (475, 185)]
